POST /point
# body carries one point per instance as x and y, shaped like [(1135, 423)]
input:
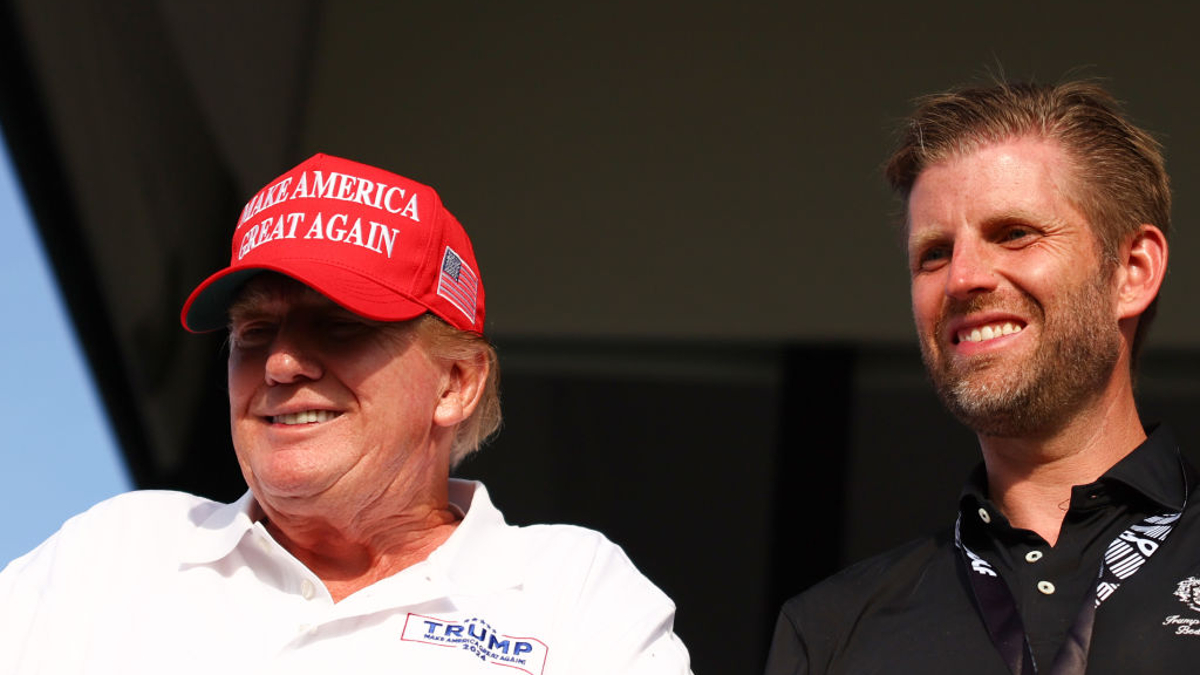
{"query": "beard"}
[(1073, 361)]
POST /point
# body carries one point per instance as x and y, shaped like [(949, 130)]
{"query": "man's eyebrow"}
[(924, 239), (1009, 216), (242, 310), (1016, 215)]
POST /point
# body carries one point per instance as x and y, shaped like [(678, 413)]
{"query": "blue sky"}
[(58, 455)]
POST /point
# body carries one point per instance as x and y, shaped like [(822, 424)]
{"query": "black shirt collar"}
[(1154, 470)]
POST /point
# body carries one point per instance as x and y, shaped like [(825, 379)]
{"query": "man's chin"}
[(989, 407), (995, 423), (284, 485)]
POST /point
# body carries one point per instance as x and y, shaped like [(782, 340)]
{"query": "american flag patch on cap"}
[(458, 283)]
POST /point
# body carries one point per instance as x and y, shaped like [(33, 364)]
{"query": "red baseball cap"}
[(378, 244)]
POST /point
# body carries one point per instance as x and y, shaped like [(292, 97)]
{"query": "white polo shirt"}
[(167, 582)]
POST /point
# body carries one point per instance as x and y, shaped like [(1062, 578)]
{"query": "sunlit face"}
[(322, 401), (1014, 309)]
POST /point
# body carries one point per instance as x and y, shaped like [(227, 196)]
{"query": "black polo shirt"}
[(912, 610)]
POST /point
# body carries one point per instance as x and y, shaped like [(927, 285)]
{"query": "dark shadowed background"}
[(694, 278)]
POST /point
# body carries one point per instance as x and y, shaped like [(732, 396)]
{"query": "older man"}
[(358, 377), (1036, 222)]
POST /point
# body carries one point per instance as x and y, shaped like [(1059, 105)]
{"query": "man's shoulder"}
[(581, 583), (901, 572), (583, 557), (146, 508), (905, 610), (548, 555), (566, 538), (123, 523)]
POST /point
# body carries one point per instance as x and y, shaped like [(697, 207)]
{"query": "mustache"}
[(955, 308)]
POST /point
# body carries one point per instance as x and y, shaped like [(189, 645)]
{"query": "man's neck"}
[(351, 538), (347, 564), (1030, 479)]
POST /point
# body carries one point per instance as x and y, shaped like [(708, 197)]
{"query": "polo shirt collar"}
[(220, 530), (475, 557), (1154, 470), (479, 555)]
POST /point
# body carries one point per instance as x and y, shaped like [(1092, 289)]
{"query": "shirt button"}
[(1033, 556), (1045, 587), (984, 515), (307, 589)]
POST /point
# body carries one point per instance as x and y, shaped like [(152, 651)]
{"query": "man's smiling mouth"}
[(304, 417), (989, 332)]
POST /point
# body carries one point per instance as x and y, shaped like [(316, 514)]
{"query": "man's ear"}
[(462, 390), (1141, 267)]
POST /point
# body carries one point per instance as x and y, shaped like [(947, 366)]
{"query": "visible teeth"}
[(988, 332), (305, 417)]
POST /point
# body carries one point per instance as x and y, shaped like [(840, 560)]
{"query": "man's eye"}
[(931, 258), (1016, 234), (345, 327), (251, 336)]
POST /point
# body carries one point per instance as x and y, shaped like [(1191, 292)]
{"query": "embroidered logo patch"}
[(458, 283), (1188, 592), (478, 637)]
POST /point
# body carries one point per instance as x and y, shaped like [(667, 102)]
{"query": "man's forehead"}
[(985, 173)]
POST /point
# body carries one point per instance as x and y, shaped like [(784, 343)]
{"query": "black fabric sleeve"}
[(787, 655)]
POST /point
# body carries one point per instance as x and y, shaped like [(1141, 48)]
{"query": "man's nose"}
[(971, 270), (291, 358)]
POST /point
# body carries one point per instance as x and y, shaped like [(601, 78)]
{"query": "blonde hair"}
[(447, 342)]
